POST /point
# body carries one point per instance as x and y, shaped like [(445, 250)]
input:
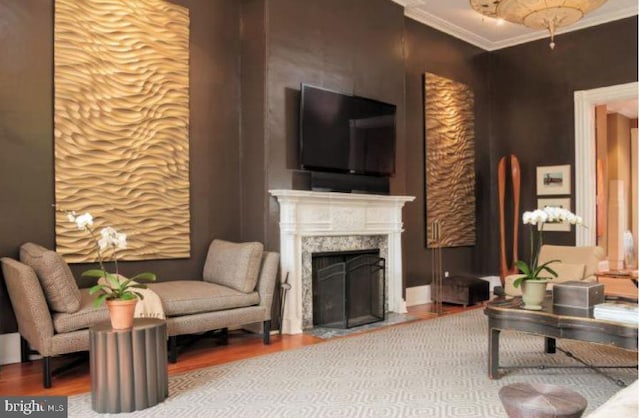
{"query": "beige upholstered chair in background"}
[(576, 263)]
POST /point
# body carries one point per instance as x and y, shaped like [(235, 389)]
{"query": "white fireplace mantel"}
[(307, 213)]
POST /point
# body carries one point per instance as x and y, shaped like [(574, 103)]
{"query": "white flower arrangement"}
[(111, 285), (538, 218), (550, 214), (109, 237)]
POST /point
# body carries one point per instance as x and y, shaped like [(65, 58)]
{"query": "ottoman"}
[(464, 290), (537, 400)]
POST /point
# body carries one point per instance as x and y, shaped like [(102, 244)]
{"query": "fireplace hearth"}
[(336, 222), (348, 288)]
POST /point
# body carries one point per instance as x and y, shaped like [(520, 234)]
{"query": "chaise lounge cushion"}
[(85, 317), (56, 279), (186, 297), (235, 265)]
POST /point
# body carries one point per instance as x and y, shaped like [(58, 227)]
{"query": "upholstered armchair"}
[(576, 263)]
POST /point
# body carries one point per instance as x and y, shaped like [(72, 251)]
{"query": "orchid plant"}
[(536, 220), (111, 286)]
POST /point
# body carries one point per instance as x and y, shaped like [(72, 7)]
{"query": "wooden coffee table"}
[(507, 314)]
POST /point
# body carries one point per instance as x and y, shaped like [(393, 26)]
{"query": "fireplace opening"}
[(348, 288)]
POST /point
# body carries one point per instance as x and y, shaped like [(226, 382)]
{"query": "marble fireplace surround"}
[(325, 221)]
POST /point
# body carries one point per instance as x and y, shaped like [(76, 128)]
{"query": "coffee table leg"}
[(494, 353), (549, 345)]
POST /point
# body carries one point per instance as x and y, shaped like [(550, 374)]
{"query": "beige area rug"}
[(434, 368)]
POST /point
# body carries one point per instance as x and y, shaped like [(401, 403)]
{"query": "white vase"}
[(533, 292)]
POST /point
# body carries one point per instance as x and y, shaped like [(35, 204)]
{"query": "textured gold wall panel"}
[(121, 75), (449, 161)]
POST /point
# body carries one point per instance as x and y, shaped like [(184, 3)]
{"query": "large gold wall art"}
[(449, 162), (121, 77)]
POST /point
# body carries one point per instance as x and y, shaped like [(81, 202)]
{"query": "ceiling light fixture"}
[(537, 14)]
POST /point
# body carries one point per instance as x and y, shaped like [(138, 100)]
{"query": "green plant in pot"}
[(120, 293), (535, 277)]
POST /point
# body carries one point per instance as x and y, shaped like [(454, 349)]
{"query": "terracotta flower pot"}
[(533, 292), (121, 313)]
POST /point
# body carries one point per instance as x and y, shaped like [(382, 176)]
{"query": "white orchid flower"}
[(84, 221), (103, 243), (527, 218), (550, 214), (121, 241)]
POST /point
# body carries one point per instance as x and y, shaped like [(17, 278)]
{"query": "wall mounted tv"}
[(346, 134)]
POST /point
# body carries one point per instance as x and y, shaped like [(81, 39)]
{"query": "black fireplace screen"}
[(348, 288)]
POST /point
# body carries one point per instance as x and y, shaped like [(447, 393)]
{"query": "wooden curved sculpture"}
[(515, 181), (502, 174)]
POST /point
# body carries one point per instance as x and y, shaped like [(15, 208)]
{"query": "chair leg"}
[(24, 350), (224, 336), (46, 372), (173, 349), (266, 332)]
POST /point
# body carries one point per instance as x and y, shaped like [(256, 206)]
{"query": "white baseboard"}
[(418, 295), (9, 348)]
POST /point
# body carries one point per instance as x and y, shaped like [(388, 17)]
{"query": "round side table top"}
[(138, 324)]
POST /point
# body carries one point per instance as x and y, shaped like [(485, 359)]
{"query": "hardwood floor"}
[(26, 379)]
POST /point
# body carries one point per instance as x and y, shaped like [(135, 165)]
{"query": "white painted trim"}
[(587, 22), (585, 102), (473, 38), (449, 28), (9, 348), (308, 214), (418, 295)]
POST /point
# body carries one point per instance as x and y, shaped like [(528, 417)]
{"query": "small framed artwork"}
[(565, 203), (553, 179)]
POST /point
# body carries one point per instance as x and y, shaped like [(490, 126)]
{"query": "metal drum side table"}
[(128, 367)]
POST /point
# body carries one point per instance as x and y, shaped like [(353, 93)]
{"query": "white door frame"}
[(585, 102)]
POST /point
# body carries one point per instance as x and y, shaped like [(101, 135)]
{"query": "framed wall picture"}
[(565, 203), (553, 179)]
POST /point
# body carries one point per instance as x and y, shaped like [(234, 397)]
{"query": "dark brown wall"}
[(532, 111), (353, 46), (26, 133), (428, 50), (253, 144)]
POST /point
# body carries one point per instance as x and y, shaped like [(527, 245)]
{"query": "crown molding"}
[(449, 28), (581, 24), (486, 44)]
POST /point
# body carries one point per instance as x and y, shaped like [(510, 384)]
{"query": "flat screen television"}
[(346, 134)]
